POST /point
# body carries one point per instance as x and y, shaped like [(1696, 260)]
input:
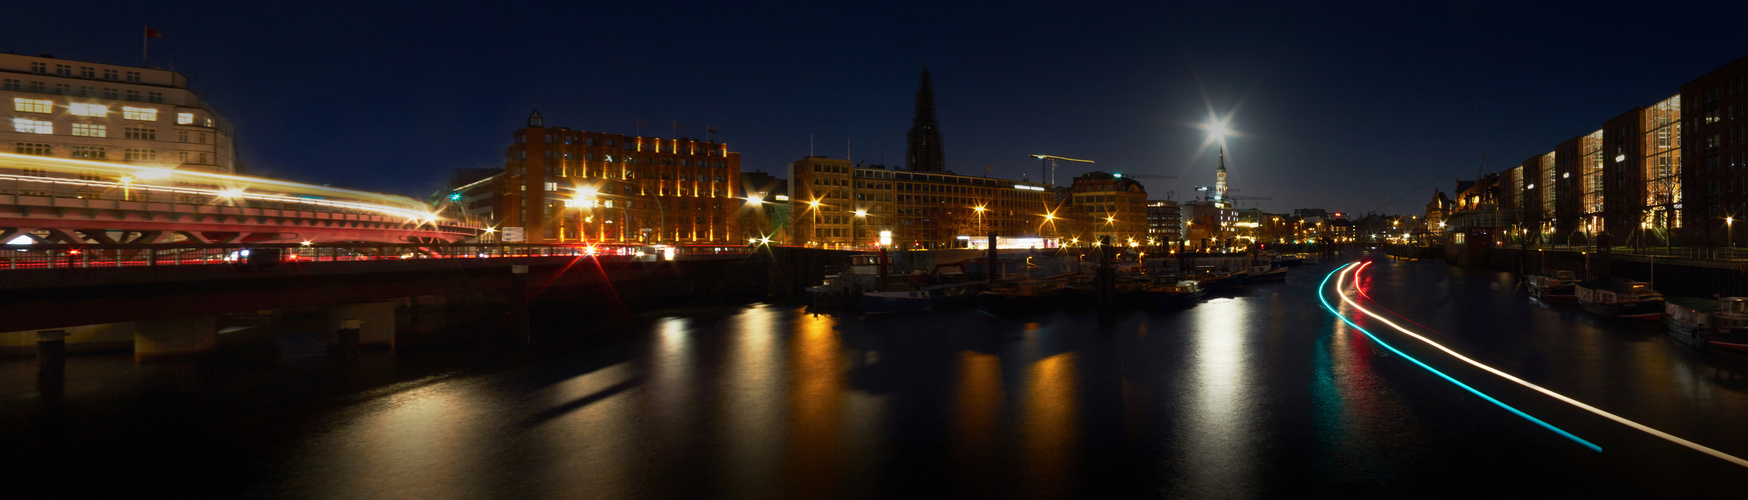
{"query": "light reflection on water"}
[(769, 401), (752, 392), (1219, 426)]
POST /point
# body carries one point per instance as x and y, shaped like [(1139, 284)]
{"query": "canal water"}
[(1261, 393)]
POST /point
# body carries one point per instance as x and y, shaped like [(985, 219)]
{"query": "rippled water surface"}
[(1260, 393)]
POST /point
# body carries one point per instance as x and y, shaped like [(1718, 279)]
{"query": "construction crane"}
[(1047, 166), (1143, 176)]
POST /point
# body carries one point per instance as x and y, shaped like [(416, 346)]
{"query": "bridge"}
[(166, 301), (46, 200)]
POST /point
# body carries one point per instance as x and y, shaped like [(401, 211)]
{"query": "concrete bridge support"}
[(175, 339), (375, 325)]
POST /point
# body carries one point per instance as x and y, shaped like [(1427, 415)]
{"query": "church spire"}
[(1220, 177), (922, 145)]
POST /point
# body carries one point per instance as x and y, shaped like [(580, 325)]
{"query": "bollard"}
[(51, 362)]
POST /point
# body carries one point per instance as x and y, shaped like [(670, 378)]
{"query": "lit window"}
[(135, 154), (83, 109), (90, 130), (27, 148), (141, 132), (184, 119), (552, 186), (90, 152), (32, 105), (32, 126), (209, 122), (145, 114)]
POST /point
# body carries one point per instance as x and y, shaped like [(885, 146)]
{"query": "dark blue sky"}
[(1340, 108)]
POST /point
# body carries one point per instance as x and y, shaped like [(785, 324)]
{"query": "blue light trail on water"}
[(1537, 421)]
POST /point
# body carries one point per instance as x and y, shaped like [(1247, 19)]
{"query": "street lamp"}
[(1730, 234)]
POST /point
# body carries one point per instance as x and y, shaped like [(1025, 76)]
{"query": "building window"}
[(133, 95), (141, 132), (64, 69), (90, 130), (142, 114), (133, 76), (32, 105), (39, 149), (182, 156), (32, 126), (184, 119), (89, 152), (136, 154), (87, 72), (63, 89), (86, 91), (202, 159), (11, 84), (157, 97), (209, 121), (37, 67), (83, 109), (110, 74), (551, 187)]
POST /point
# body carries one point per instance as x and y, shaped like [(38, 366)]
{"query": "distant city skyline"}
[(1329, 109)]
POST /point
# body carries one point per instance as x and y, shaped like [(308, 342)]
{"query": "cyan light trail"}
[(1563, 398), (1338, 284)]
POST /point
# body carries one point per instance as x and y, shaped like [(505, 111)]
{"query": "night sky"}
[(1344, 109)]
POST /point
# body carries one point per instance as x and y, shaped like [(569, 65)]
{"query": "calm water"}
[(1261, 393)]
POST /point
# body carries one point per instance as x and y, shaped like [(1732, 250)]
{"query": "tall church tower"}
[(922, 145), (1220, 178)]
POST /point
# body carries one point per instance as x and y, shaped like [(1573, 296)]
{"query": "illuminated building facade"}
[(836, 204), (1668, 173), (1110, 205), (1164, 220), (562, 185), (1716, 141), (106, 112)]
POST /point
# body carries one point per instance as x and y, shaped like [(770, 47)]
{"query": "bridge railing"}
[(16, 257)]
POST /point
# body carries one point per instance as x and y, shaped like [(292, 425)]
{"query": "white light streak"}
[(1623, 421)]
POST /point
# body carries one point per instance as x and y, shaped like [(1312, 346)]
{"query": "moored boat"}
[(1181, 293), (1621, 298), (1719, 323), (1217, 281), (1260, 273), (923, 298), (1561, 287)]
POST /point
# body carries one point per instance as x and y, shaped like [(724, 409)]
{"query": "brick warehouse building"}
[(914, 209), (562, 185), (1668, 173)]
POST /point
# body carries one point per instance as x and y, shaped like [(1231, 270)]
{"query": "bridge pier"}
[(175, 339), (51, 362), (373, 325)]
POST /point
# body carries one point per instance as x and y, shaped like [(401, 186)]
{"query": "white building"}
[(73, 109)]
